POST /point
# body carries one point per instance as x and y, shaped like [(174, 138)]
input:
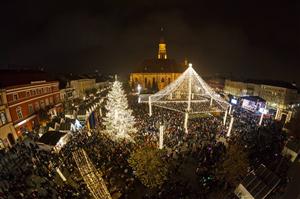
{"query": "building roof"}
[(276, 83), (51, 137), (254, 98), (261, 182), (20, 77), (160, 66)]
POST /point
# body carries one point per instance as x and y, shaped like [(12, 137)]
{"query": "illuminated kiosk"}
[(53, 140), (188, 94)]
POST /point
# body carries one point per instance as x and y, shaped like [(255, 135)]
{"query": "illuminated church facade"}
[(154, 74)]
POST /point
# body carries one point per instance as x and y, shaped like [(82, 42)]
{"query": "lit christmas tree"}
[(119, 119)]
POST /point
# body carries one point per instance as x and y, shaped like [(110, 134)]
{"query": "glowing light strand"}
[(200, 98), (119, 119), (90, 175)]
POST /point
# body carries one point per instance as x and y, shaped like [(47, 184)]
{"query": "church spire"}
[(162, 47)]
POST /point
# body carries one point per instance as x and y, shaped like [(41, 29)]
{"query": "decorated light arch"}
[(188, 94)]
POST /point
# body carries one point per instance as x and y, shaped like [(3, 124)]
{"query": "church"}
[(154, 74)]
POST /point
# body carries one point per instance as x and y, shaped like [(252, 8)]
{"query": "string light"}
[(179, 96)]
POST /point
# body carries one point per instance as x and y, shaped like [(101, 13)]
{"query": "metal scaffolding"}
[(90, 175)]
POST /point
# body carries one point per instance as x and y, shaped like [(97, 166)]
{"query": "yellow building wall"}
[(146, 80)]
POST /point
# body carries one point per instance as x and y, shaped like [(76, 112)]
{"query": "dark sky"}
[(255, 39)]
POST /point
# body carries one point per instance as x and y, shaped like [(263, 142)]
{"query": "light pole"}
[(139, 88), (230, 127), (189, 99), (225, 117), (161, 136), (230, 108), (150, 106)]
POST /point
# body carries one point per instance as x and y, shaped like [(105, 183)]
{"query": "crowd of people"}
[(27, 172), (193, 156)]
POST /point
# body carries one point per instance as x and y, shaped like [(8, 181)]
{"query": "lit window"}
[(19, 112)]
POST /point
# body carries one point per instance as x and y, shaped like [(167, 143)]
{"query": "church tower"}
[(162, 48)]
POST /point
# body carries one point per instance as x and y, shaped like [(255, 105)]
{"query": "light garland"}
[(90, 175), (188, 91)]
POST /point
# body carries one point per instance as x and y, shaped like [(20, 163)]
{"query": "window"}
[(27, 94), (169, 80), (43, 91), (19, 112), (162, 80), (37, 106), (56, 98), (47, 101), (42, 104), (3, 119), (30, 108), (51, 100), (15, 97)]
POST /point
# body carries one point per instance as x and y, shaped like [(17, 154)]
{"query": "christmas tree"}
[(119, 119)]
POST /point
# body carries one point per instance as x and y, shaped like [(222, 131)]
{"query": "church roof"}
[(160, 66)]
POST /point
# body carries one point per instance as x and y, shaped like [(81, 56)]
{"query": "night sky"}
[(254, 39)]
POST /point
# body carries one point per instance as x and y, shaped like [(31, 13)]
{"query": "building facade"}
[(155, 74), (277, 94), (81, 85), (8, 134), (67, 94), (24, 102)]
